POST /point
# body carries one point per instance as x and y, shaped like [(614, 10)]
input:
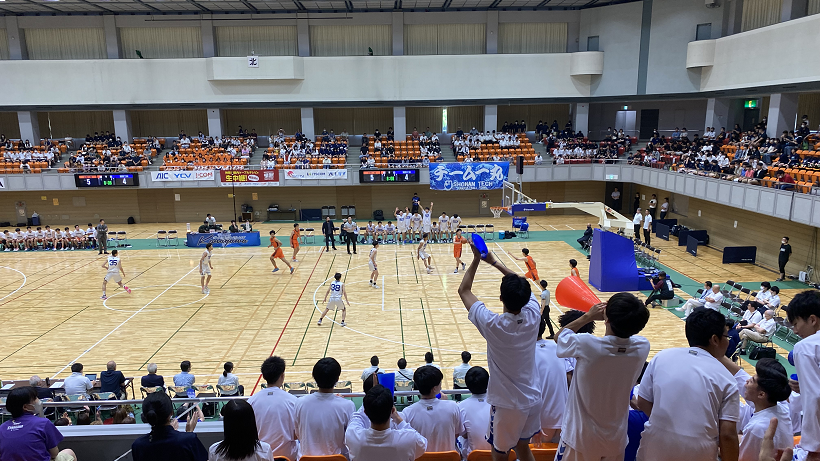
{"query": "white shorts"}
[(205, 270), (113, 277), (371, 266), (427, 227), (336, 305), (508, 427), (423, 255), (400, 229), (567, 453), (453, 228)]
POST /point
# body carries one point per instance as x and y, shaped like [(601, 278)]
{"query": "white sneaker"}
[(375, 286), (319, 322), (343, 323), (103, 297), (429, 270), (7, 249), (455, 271), (207, 291), (679, 309)]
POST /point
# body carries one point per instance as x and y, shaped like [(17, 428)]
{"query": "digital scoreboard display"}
[(107, 180), (388, 176)]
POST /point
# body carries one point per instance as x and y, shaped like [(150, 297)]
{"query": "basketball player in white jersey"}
[(336, 290), (48, 238), (426, 219), (455, 221), (380, 231), (30, 236), (416, 227), (90, 235), (374, 269), (408, 224), (205, 267), (435, 232), (422, 253), (39, 238), (390, 230), (400, 229), (115, 272), (444, 226)]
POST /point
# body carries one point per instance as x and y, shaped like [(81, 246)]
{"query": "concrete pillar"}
[(717, 114), (208, 38), (308, 128), (122, 125), (580, 117), (492, 32), (16, 39), (400, 123), (29, 127), (793, 9), (112, 42), (214, 122), (574, 37), (732, 18), (782, 113), (303, 39), (398, 34), (490, 120)]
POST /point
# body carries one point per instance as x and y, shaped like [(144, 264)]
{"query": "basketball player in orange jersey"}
[(531, 272), (277, 252), (458, 241), (573, 271), (294, 241)]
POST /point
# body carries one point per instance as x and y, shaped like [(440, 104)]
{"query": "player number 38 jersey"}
[(336, 291)]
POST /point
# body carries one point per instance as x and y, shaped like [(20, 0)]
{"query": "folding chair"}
[(296, 388), (728, 293), (173, 237), (479, 229), (162, 238), (489, 232), (74, 398), (310, 233), (105, 396), (122, 239), (149, 390), (112, 240), (440, 456), (404, 385)]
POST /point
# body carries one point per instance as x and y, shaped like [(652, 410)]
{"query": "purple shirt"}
[(28, 438)]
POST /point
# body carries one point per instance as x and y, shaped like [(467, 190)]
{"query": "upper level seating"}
[(486, 151), (288, 153), (409, 151), (16, 158)]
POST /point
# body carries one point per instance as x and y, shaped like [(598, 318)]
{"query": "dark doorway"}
[(750, 118), (608, 201), (649, 122)]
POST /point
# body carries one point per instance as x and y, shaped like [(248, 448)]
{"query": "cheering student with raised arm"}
[(513, 393)]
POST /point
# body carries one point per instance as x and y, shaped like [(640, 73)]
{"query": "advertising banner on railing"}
[(249, 177), (241, 239), (315, 174), (195, 175), (468, 176)]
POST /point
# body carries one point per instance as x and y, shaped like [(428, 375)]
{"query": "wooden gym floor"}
[(53, 315)]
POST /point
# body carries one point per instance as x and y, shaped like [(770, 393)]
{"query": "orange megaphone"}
[(573, 293)]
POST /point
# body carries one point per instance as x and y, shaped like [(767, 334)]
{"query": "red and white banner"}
[(249, 177)]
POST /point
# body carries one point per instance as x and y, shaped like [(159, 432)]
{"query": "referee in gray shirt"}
[(351, 233)]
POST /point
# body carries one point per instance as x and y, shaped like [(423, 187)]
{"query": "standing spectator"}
[(77, 383), (616, 199), (227, 378), (165, 442), (664, 207), (102, 237), (594, 425), (184, 378), (553, 378), (152, 379), (327, 231), (476, 412), (513, 392), (323, 417), (647, 226), (804, 314), (415, 203), (241, 440), (112, 380), (783, 257), (545, 307), (275, 410), (437, 420), (636, 224), (28, 436), (460, 372), (387, 437), (653, 205), (698, 420), (351, 231), (636, 203)]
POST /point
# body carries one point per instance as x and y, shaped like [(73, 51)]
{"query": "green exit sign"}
[(750, 104)]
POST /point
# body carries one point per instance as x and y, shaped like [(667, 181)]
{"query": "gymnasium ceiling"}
[(85, 7)]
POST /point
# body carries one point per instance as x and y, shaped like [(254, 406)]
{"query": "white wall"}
[(687, 113), (674, 25), (619, 29)]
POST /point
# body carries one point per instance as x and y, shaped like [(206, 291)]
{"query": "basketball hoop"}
[(497, 210)]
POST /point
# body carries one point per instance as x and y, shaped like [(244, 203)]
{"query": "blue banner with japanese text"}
[(468, 176)]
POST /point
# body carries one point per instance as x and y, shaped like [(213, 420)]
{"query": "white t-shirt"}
[(752, 318), (754, 424), (438, 421), (807, 361), (769, 325), (275, 412), (647, 221), (665, 206), (321, 422), (426, 216), (653, 203), (369, 371), (553, 378), (454, 223), (718, 297), (606, 369), (475, 411), (263, 453), (636, 220), (401, 443), (510, 355), (691, 392), (460, 371)]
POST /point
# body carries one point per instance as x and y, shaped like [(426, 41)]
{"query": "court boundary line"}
[(123, 323), (52, 280), (25, 279)]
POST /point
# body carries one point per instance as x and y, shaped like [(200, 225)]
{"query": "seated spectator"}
[(437, 420), (378, 441), (323, 417), (112, 380), (124, 415), (760, 333), (554, 391), (77, 383), (373, 368), (712, 300), (692, 303), (785, 181), (275, 410), (586, 238), (428, 360), (43, 392), (460, 371), (152, 379), (165, 442), (227, 378), (184, 378), (28, 436), (475, 412), (403, 373), (698, 420), (241, 440), (751, 317)]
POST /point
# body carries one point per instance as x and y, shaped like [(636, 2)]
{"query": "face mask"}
[(762, 289)]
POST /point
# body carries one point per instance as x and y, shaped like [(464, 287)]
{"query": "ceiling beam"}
[(44, 6), (201, 8), (98, 6), (494, 4), (157, 10), (397, 5), (591, 3), (249, 6), (544, 2)]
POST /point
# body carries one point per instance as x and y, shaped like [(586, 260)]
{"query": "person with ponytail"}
[(165, 442), (229, 379), (241, 441)]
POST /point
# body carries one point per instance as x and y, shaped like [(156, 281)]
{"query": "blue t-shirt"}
[(28, 438), (416, 200), (172, 446)]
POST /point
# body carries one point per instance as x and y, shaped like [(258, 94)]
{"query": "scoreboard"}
[(388, 176), (107, 180)]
